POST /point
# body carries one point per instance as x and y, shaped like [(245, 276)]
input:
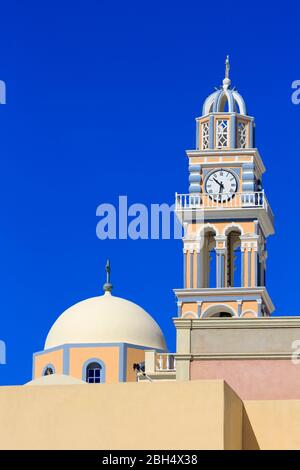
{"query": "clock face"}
[(221, 185)]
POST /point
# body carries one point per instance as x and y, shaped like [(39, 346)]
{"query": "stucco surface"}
[(253, 379), (271, 424), (168, 415)]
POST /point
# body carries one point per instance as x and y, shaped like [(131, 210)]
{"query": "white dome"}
[(106, 319)]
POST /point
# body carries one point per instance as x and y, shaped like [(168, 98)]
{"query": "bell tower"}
[(226, 215)]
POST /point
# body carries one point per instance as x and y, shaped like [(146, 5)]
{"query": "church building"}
[(223, 323), (105, 379)]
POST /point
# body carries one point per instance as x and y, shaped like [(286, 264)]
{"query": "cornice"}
[(228, 356), (227, 291), (236, 323), (227, 153)]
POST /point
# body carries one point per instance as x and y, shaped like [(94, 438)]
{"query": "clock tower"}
[(226, 215)]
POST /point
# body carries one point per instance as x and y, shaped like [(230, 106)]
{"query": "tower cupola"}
[(224, 122)]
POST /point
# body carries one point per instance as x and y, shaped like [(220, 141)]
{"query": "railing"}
[(165, 362), (203, 201)]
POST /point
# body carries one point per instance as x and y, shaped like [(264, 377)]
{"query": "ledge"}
[(230, 323)]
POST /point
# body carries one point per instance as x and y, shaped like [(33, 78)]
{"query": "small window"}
[(242, 135), (93, 373), (222, 133), (205, 135), (49, 371)]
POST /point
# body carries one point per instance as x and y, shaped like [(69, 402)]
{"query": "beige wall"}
[(244, 336), (163, 415), (272, 424), (168, 415)]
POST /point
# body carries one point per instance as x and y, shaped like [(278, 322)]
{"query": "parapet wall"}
[(165, 415), (201, 414)]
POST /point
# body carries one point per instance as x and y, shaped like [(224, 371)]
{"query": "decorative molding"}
[(226, 152), (241, 356), (215, 294), (237, 323)]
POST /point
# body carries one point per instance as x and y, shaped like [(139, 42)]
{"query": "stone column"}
[(199, 267), (220, 256), (233, 131), (191, 274), (242, 266), (220, 260), (184, 267), (239, 303)]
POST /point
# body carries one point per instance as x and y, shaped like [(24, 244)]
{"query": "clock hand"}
[(221, 191), (220, 184)]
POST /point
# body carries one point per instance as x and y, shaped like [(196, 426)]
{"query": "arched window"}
[(209, 259), (94, 373), (49, 370), (234, 258)]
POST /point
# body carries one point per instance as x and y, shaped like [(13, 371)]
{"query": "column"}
[(255, 268), (220, 257), (251, 134), (249, 266), (184, 267), (197, 134), (242, 266), (199, 304), (191, 269), (179, 306), (233, 131), (246, 263), (263, 257), (259, 302), (220, 260), (199, 268), (211, 131)]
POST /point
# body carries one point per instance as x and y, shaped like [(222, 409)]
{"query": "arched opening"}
[(209, 259), (234, 258), (221, 315), (218, 311), (94, 374), (224, 106), (49, 370)]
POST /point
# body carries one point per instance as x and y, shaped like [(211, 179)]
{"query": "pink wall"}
[(260, 379)]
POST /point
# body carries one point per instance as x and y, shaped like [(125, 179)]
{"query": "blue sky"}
[(101, 102)]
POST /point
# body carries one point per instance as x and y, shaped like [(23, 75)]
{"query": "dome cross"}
[(107, 287), (227, 81)]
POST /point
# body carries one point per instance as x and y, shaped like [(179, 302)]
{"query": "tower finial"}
[(227, 67), (227, 81), (107, 287)]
